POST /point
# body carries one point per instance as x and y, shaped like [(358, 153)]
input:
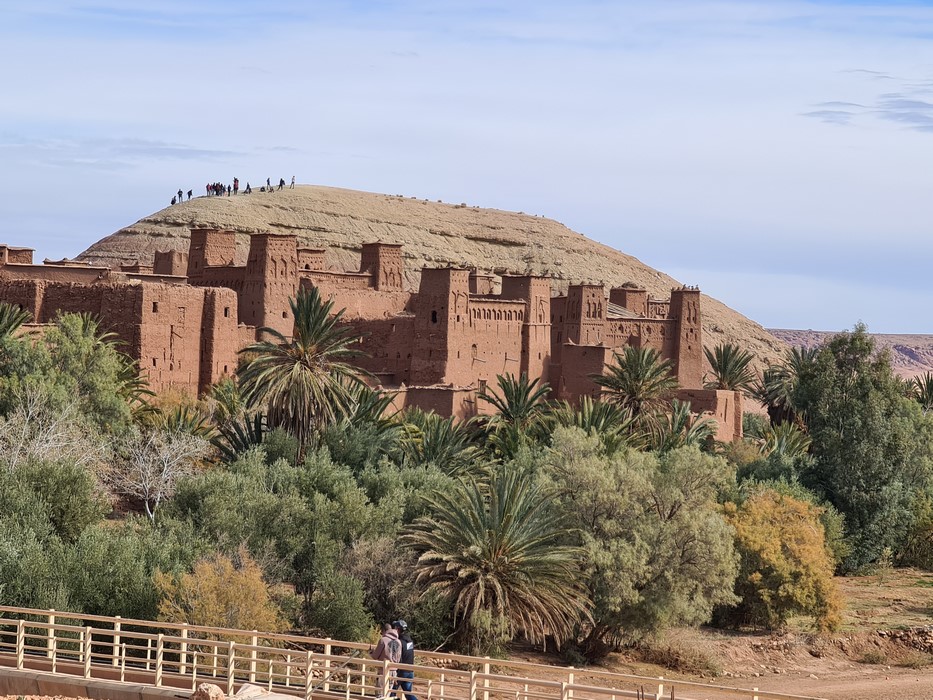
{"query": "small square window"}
[(155, 307)]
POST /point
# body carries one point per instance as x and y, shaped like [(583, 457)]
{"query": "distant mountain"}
[(432, 233), (910, 354)]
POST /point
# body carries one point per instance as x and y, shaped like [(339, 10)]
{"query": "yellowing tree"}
[(220, 593), (786, 568)]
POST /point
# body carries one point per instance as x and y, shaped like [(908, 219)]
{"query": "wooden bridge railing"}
[(182, 656)]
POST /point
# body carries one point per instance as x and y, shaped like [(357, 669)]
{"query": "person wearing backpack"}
[(408, 659), (388, 649)]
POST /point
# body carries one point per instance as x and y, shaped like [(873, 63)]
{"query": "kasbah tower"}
[(437, 347)]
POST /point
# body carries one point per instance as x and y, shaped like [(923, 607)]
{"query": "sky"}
[(779, 154)]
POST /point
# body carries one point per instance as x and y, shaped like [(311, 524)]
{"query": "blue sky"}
[(778, 154)]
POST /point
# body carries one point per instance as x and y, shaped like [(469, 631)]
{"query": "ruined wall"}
[(482, 284), (210, 248), (632, 298), (333, 282), (170, 262)]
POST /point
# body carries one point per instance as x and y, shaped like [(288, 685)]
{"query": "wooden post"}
[(755, 696), (486, 670), (443, 683), (570, 683), (183, 651), (50, 637), (660, 687), (328, 648), (384, 691), (160, 655), (214, 656), (308, 684), (194, 670), (87, 651), (472, 685), (254, 641), (288, 670), (563, 690), (20, 643), (122, 662), (148, 653), (231, 667), (115, 647)]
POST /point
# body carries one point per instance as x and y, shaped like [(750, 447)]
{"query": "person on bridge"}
[(408, 659), (388, 649)]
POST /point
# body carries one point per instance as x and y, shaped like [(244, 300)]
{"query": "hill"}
[(911, 354), (432, 233)]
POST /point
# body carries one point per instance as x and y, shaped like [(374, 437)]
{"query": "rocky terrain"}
[(432, 233), (911, 355)]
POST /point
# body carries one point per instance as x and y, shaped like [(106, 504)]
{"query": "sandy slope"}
[(432, 233)]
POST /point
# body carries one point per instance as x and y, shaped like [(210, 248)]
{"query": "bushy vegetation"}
[(293, 497)]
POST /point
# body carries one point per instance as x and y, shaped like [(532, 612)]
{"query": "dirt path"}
[(870, 684)]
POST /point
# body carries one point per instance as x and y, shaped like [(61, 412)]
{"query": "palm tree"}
[(444, 442), (639, 381), (786, 439), (681, 428), (614, 426), (521, 406), (778, 386), (731, 368), (11, 318), (302, 381), (497, 552), (923, 390)]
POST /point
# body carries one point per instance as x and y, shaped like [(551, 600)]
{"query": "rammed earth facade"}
[(185, 318)]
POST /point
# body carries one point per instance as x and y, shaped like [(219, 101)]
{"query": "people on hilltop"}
[(189, 195), (248, 190), (388, 649), (292, 186), (180, 195), (281, 182), (236, 185), (173, 200)]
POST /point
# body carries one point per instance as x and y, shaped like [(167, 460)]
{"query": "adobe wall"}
[(78, 274), (441, 322), (15, 255), (723, 406), (445, 401), (657, 334), (366, 303), (580, 363), (688, 351), (491, 344), (336, 281), (536, 330), (270, 281), (386, 344), (311, 259), (383, 261), (161, 326), (210, 248)]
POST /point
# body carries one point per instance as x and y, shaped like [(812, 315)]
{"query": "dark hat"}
[(400, 625)]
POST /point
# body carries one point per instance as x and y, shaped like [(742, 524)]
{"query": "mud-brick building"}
[(182, 336), (438, 347)]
